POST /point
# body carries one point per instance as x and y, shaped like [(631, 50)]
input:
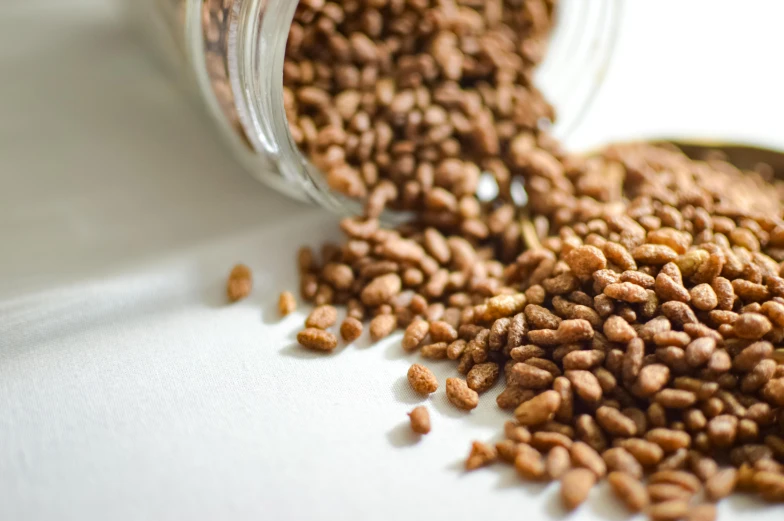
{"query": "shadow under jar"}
[(230, 54)]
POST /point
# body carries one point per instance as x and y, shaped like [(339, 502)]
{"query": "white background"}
[(129, 390)]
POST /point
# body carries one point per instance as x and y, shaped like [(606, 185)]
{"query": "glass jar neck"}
[(256, 57)]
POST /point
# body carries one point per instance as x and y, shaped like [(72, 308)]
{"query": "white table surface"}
[(129, 390)]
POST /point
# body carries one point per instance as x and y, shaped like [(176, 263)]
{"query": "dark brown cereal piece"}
[(512, 396), (483, 376), (420, 420), (240, 283), (317, 339)]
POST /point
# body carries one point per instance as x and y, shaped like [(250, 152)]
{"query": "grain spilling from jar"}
[(630, 317)]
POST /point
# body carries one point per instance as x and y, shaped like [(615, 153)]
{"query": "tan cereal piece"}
[(317, 339), (529, 462), (750, 356), (382, 326), (629, 490), (704, 512), (583, 360), (576, 484), (585, 260), (420, 420), (240, 283), (617, 329), (627, 292), (703, 297), (669, 440), (752, 326), (619, 459), (350, 329), (546, 440), (460, 395), (507, 450), (516, 433), (322, 317), (435, 351), (773, 392), (539, 409), (415, 333), (583, 455), (588, 431), (381, 289), (721, 484), (681, 478), (557, 462), (646, 452), (481, 454), (287, 304), (563, 387), (770, 485), (615, 422), (422, 379), (339, 276), (654, 254), (669, 510), (585, 385), (652, 379), (529, 377), (699, 351), (675, 398), (659, 492), (440, 331)]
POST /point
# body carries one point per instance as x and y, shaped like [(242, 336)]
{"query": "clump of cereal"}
[(632, 315)]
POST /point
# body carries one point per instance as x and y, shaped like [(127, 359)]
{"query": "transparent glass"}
[(231, 52)]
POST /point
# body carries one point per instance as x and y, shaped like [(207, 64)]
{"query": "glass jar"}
[(230, 53)]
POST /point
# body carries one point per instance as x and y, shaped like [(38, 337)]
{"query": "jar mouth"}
[(578, 53)]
